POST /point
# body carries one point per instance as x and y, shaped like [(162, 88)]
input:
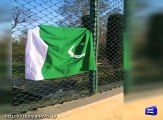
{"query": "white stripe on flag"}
[(35, 55)]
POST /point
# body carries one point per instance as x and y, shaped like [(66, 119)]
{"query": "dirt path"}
[(135, 109), (107, 109), (102, 106)]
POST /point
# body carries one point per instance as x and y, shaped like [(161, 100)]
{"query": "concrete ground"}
[(136, 103), (102, 106), (108, 105)]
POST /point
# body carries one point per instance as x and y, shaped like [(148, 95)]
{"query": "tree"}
[(114, 39), (73, 10), (85, 22), (154, 47), (116, 11), (21, 15)]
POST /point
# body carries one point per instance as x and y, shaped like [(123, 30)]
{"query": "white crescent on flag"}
[(73, 55)]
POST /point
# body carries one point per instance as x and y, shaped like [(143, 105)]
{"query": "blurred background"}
[(144, 36), (5, 56), (143, 63)]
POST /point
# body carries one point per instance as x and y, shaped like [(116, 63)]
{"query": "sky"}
[(46, 12), (151, 7), (5, 23), (43, 7)]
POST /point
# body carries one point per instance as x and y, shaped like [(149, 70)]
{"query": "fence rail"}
[(103, 17)]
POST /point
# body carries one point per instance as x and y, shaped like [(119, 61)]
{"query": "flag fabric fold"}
[(56, 52)]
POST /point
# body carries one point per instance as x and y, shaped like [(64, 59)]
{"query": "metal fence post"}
[(94, 15)]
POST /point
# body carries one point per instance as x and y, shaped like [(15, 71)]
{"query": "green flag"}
[(55, 52)]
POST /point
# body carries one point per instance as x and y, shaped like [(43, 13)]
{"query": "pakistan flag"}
[(55, 52)]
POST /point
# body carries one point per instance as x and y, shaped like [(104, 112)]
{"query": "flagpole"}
[(94, 15)]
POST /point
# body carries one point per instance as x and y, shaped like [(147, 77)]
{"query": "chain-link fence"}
[(104, 18)]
